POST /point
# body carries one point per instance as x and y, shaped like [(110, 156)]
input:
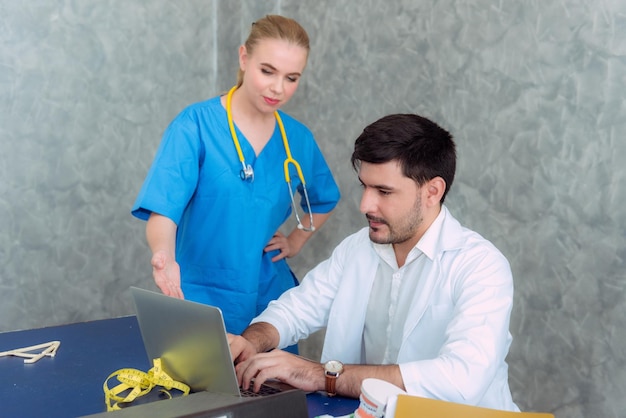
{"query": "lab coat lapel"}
[(422, 298), (431, 277), (346, 321)]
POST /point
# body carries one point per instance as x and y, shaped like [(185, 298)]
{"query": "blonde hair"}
[(274, 27)]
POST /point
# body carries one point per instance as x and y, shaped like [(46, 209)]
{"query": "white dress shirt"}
[(392, 296), (454, 324)]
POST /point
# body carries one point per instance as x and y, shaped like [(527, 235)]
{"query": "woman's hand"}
[(281, 243), (166, 273), (290, 246)]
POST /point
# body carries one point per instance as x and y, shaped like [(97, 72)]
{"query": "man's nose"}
[(367, 202)]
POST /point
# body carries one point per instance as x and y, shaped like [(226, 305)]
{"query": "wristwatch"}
[(332, 370)]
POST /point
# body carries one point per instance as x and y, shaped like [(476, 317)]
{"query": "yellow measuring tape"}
[(139, 383)]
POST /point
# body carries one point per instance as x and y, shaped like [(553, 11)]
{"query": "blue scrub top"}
[(223, 222)]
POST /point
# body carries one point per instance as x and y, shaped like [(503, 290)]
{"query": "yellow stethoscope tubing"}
[(246, 168), (233, 134)]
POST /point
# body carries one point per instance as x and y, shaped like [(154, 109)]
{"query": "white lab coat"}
[(456, 336)]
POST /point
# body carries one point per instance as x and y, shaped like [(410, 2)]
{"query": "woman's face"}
[(271, 72)]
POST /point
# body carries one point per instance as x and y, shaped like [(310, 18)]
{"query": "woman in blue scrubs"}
[(213, 231)]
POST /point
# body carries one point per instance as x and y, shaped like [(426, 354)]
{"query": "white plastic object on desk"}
[(377, 398)]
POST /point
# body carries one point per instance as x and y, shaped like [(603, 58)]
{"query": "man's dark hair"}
[(423, 149)]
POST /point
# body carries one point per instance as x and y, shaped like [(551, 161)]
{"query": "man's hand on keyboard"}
[(297, 371)]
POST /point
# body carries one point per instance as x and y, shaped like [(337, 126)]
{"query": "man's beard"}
[(401, 231)]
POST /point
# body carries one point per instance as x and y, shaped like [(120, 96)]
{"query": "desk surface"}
[(70, 384)]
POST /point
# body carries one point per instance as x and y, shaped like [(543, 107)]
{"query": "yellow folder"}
[(414, 406)]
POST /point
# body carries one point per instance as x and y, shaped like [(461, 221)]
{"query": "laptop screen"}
[(189, 338)]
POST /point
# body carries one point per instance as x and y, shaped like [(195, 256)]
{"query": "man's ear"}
[(435, 188)]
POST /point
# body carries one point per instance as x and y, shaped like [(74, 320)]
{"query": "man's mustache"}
[(375, 219)]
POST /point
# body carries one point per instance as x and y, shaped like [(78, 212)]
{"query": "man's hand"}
[(166, 273), (240, 348), (297, 371)]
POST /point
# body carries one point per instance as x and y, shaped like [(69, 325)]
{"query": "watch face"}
[(333, 366)]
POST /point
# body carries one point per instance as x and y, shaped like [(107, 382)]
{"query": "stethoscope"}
[(247, 173)]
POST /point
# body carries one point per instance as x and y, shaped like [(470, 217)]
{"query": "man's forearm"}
[(349, 382), (262, 335)]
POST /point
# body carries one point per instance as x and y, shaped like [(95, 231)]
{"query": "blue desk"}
[(70, 384)]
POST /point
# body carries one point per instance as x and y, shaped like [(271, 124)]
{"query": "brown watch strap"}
[(330, 385)]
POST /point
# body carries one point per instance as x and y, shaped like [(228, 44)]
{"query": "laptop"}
[(190, 339)]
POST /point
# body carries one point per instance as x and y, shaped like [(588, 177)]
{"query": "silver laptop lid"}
[(190, 338)]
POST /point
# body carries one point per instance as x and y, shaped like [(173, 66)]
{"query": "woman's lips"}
[(271, 102)]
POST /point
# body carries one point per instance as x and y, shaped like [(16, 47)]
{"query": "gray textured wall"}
[(533, 91)]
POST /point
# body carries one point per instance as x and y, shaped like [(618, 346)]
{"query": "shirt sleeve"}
[(322, 190), (173, 176), (305, 309)]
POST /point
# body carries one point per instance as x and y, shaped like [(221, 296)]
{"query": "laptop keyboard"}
[(264, 391)]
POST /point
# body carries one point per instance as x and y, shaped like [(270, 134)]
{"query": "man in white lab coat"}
[(414, 299)]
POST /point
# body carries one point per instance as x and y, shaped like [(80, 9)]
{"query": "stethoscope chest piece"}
[(246, 173)]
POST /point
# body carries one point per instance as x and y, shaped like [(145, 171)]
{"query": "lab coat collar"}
[(450, 235)]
